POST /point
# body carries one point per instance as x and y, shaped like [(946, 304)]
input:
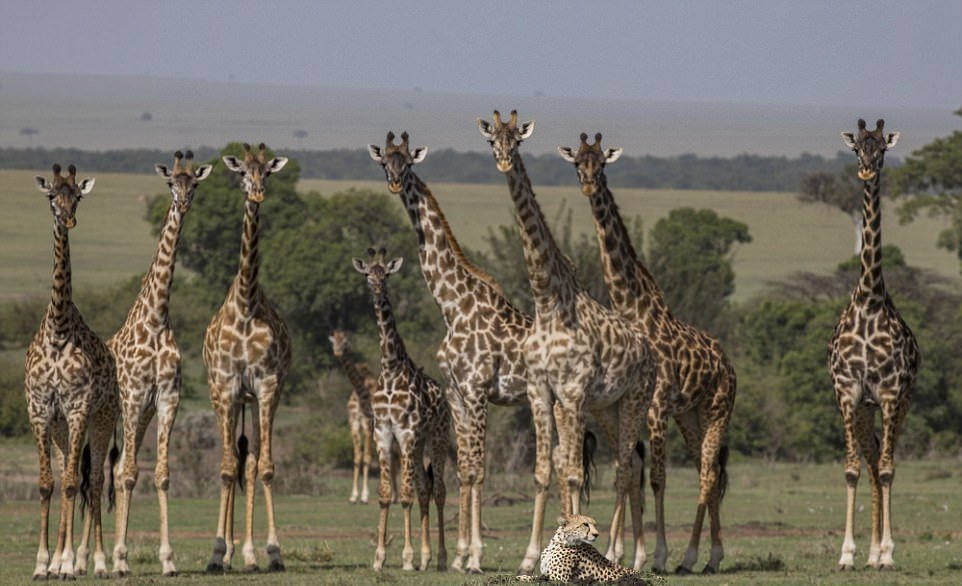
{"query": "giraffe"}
[(148, 363), (481, 354), (695, 382), (359, 415), (873, 362), (580, 356), (410, 410), (71, 391), (247, 350)]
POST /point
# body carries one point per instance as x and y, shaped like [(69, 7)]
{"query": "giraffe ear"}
[(419, 154), (233, 163), (203, 172), (162, 170), (87, 185), (487, 131), (276, 164), (527, 129), (849, 139), (892, 139), (330, 339), (612, 155), (359, 265), (566, 154), (393, 266), (42, 184), (374, 151)]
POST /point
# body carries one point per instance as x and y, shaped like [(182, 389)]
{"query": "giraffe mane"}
[(456, 247)]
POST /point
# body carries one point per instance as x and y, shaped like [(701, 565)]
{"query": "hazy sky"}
[(880, 53)]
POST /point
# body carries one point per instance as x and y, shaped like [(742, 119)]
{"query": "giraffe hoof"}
[(251, 568), (214, 568), (39, 577), (886, 567), (101, 575), (709, 570), (67, 577), (276, 566), (170, 574), (475, 571), (845, 567), (682, 570)]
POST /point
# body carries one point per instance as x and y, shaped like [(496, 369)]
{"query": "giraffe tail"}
[(112, 459), (85, 469), (242, 451), (429, 479), (722, 472), (640, 452), (588, 447)]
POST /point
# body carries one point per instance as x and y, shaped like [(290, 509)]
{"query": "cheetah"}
[(572, 557)]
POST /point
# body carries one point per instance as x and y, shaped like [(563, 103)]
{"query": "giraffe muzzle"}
[(70, 222), (866, 174), (257, 196), (395, 186), (504, 165)]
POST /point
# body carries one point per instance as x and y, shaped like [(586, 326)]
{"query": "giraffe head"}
[(397, 160), (64, 194), (870, 147), (505, 137), (376, 269), (183, 178), (254, 170), (338, 340), (590, 161)]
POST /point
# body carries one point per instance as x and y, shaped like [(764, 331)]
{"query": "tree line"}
[(740, 173)]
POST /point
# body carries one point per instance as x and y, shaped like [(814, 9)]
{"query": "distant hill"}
[(113, 112)]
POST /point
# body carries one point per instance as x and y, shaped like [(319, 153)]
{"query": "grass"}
[(113, 241), (782, 525)]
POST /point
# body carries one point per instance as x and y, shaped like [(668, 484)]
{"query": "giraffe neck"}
[(154, 295), (631, 288), (353, 373), (61, 294), (443, 264), (245, 284), (393, 353), (871, 283), (550, 274)]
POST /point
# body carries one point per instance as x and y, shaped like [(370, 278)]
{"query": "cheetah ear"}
[(487, 131), (393, 266), (611, 155), (203, 172), (359, 265), (527, 129), (42, 184), (567, 154)]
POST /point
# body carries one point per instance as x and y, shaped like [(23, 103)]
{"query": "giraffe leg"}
[(407, 497), (628, 475), (469, 415), (76, 428), (167, 405), (269, 399), (865, 434), (41, 424), (852, 471), (60, 441), (366, 462), (607, 419), (893, 414), (357, 442), (539, 397), (101, 433), (225, 412), (715, 458), (385, 447), (126, 475), (423, 486), (571, 435), (657, 433), (439, 454)]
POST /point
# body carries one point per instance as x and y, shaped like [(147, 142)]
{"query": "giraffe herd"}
[(630, 364)]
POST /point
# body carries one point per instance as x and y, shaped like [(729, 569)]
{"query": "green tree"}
[(690, 255), (931, 180)]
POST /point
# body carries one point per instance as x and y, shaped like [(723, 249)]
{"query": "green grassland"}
[(782, 525), (112, 240)]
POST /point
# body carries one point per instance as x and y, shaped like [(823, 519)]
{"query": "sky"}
[(879, 53)]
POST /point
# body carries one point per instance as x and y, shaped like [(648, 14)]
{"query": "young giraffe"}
[(481, 354), (695, 382), (580, 356), (247, 350), (71, 390), (873, 362), (409, 409), (148, 363), (359, 414)]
